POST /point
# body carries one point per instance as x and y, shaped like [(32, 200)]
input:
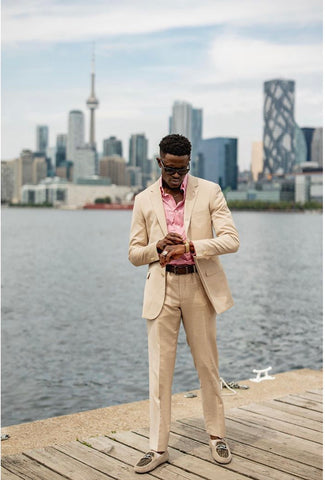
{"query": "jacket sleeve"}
[(227, 239), (140, 252)]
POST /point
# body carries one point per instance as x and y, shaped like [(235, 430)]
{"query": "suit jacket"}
[(205, 210)]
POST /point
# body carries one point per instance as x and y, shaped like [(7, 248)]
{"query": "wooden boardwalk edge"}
[(279, 439)]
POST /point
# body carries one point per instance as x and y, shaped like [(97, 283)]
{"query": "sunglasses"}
[(172, 170)]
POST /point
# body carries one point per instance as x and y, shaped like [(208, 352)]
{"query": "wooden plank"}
[(100, 461), (284, 416), (6, 475), (251, 452), (300, 402), (283, 444), (128, 444), (275, 424), (309, 396), (28, 469), (241, 465), (293, 409), (249, 447), (65, 465), (185, 463), (319, 391)]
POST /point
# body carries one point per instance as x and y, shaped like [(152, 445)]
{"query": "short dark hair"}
[(175, 144)]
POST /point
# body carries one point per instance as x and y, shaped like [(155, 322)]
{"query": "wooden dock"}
[(279, 439)]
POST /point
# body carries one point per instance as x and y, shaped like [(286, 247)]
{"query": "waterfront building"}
[(40, 169), (84, 164), (63, 194), (8, 175), (42, 138), (26, 164), (51, 160), (65, 171), (76, 133), (308, 134), (317, 146), (155, 169), (138, 154), (301, 150), (112, 146), (134, 176), (114, 167), (61, 150), (282, 189), (308, 185), (92, 104), (217, 161), (257, 160), (279, 126)]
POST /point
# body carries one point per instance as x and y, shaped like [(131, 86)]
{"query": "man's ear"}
[(158, 161)]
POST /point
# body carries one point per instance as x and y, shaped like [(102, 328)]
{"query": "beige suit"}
[(202, 296)]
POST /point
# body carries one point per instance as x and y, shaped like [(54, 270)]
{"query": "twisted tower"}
[(279, 126)]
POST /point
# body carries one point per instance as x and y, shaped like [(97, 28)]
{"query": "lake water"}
[(72, 334)]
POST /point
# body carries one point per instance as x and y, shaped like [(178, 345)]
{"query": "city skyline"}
[(215, 57)]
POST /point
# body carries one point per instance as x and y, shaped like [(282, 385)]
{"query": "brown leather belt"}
[(181, 269)]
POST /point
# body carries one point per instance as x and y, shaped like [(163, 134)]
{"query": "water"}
[(72, 334)]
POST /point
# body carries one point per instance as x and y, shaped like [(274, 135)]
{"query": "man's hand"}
[(173, 252), (170, 239)]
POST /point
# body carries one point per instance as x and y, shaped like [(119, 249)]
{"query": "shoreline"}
[(72, 208), (129, 416)]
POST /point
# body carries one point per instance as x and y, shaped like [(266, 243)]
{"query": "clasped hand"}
[(173, 244)]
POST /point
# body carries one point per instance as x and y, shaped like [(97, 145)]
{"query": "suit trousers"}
[(185, 300)]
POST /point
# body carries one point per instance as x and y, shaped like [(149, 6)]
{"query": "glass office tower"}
[(218, 161)]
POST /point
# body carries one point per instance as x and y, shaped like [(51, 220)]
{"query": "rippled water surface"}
[(72, 334)]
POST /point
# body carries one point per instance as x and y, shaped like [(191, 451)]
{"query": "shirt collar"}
[(183, 186)]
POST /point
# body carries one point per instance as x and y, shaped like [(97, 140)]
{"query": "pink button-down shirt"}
[(174, 214)]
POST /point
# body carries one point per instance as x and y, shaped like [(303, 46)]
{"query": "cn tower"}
[(92, 104)]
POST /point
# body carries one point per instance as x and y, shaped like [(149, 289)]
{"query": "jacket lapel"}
[(158, 206), (191, 194)]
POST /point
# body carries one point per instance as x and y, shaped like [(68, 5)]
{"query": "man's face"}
[(173, 179)]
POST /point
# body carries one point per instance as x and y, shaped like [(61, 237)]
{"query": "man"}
[(172, 231)]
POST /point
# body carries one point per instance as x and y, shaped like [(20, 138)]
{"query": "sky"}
[(214, 54)]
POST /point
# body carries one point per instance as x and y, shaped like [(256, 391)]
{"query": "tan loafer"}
[(150, 461), (220, 450)]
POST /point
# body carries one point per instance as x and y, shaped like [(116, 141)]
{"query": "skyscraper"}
[(113, 167), (42, 138), (300, 146), (257, 160), (8, 174), (76, 133), (61, 150), (308, 133), (279, 126), (112, 146), (181, 119), (187, 121), (84, 163), (218, 161), (92, 104), (317, 146)]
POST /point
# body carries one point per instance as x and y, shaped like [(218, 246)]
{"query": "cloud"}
[(238, 58), (55, 21)]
